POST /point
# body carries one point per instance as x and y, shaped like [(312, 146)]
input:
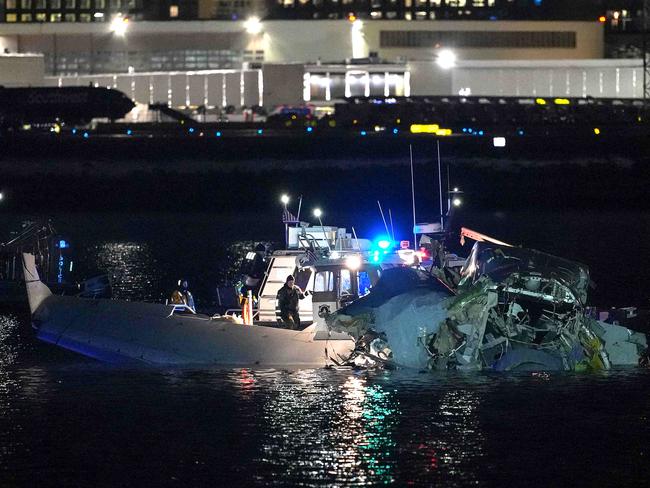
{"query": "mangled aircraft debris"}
[(508, 309)]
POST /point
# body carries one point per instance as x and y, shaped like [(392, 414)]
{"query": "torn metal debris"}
[(508, 308)]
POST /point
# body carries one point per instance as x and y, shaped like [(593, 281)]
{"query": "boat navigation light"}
[(318, 213), (284, 199), (353, 262)]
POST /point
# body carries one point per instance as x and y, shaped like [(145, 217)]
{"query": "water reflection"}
[(321, 431), (132, 266)]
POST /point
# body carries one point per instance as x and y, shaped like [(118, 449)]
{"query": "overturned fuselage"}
[(513, 309)]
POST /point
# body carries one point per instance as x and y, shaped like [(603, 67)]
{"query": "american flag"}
[(289, 218)]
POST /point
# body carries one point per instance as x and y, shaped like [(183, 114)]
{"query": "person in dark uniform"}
[(288, 297)]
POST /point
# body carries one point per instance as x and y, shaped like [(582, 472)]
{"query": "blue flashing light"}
[(218, 133), (309, 129), (74, 131), (259, 131), (85, 135), (63, 244), (375, 256), (470, 130), (191, 130), (480, 133), (520, 132), (538, 3), (383, 244), (395, 130), (363, 132), (129, 132), (464, 129)]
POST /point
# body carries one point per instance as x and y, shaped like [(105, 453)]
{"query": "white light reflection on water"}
[(132, 267), (319, 431)]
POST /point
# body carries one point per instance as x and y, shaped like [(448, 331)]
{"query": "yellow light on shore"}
[(424, 128), (540, 101), (562, 101), (596, 130)]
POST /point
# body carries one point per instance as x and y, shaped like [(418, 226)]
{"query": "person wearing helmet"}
[(288, 297), (183, 296)]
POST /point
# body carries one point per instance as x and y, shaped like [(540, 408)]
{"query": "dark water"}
[(69, 421), (66, 421)]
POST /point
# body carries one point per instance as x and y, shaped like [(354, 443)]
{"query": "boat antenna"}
[(383, 218), (415, 237), (392, 229), (354, 233), (442, 222), (299, 207)]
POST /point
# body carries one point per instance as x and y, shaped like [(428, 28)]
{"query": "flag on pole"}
[(289, 218)]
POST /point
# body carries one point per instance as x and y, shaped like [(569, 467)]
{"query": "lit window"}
[(26, 18), (55, 17), (70, 3), (173, 11), (84, 4), (11, 17), (41, 17), (100, 3), (55, 4), (11, 4), (408, 3), (40, 4), (85, 18), (70, 17), (375, 15), (26, 3), (408, 16)]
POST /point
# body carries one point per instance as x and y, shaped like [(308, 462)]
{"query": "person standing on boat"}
[(183, 296), (288, 297)]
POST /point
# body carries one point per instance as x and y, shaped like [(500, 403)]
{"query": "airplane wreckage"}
[(507, 308)]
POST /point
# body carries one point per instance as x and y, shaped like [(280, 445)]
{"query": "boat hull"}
[(119, 331)]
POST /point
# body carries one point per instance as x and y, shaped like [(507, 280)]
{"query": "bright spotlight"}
[(119, 25), (284, 198), (318, 213), (446, 59), (457, 202), (253, 25), (1, 196), (353, 262)]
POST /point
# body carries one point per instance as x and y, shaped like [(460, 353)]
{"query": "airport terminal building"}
[(247, 62)]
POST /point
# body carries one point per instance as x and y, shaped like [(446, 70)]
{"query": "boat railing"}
[(179, 308)]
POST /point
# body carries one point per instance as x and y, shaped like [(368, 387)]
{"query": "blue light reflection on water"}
[(77, 422)]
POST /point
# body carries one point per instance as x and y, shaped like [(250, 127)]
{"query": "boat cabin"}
[(330, 264)]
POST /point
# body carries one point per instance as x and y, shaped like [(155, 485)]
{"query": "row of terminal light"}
[(119, 24)]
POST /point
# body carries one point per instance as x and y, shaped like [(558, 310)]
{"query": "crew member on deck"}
[(288, 297), (182, 296)]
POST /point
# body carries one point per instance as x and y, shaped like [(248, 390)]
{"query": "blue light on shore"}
[(129, 132), (218, 133), (191, 130), (85, 135), (259, 131), (363, 132), (480, 133), (395, 131), (74, 131), (309, 129)]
